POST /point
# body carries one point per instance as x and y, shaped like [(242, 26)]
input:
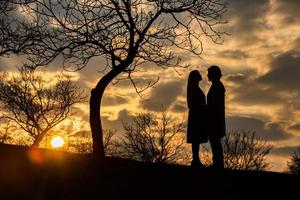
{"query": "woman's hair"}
[(215, 71), (194, 77)]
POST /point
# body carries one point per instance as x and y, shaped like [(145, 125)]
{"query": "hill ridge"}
[(36, 173)]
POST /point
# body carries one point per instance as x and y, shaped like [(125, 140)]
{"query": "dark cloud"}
[(10, 64), (284, 72), (113, 100), (116, 124), (233, 54), (285, 151), (92, 72), (296, 44), (283, 76), (83, 134), (263, 130), (252, 93), (289, 9), (295, 127), (89, 74), (123, 115), (179, 108), (3, 66), (268, 88), (163, 95), (246, 71), (237, 78), (249, 17)]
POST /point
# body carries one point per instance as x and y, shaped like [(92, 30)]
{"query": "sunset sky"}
[(260, 61)]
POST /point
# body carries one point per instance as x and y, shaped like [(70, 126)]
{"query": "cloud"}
[(233, 54), (279, 85), (237, 78), (123, 115), (240, 74), (286, 150), (248, 17), (179, 107), (240, 70), (163, 95), (249, 92), (284, 71), (83, 134), (115, 124), (271, 87), (114, 100), (263, 130), (295, 127), (10, 63), (289, 9), (3, 66)]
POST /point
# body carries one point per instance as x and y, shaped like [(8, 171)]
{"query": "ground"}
[(34, 173)]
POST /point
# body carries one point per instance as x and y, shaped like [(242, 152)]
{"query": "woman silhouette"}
[(196, 133)]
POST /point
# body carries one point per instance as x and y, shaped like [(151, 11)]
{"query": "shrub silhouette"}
[(242, 151), (153, 138), (294, 163)]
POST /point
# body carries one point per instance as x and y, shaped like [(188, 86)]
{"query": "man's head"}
[(214, 73)]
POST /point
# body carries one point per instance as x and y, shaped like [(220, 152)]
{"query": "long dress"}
[(216, 110), (196, 130)]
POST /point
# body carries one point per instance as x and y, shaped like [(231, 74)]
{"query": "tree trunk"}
[(36, 142), (95, 119), (38, 139)]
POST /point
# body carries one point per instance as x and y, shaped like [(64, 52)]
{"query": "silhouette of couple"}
[(206, 120)]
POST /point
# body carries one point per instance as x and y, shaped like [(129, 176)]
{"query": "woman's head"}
[(194, 77), (214, 73)]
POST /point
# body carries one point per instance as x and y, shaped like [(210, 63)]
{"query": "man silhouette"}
[(216, 115)]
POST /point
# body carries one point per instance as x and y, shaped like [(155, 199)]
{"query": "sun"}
[(57, 142)]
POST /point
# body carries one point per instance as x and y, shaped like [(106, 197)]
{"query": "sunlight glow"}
[(57, 142)]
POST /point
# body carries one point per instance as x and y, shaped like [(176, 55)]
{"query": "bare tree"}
[(153, 138), (34, 104), (294, 163), (127, 33), (242, 151)]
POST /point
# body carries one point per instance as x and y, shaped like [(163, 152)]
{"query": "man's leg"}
[(195, 151), (217, 151)]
